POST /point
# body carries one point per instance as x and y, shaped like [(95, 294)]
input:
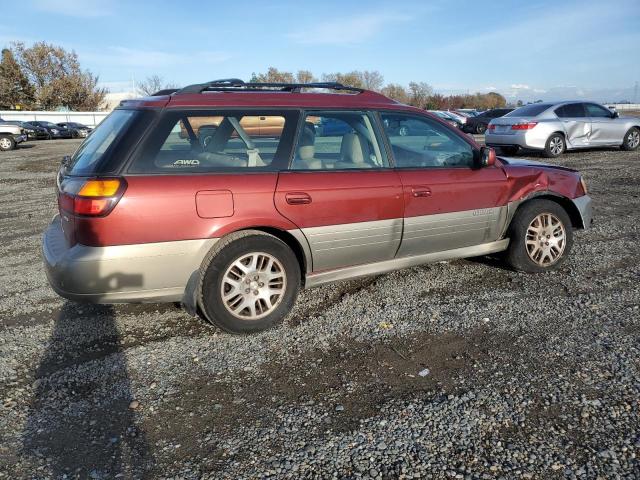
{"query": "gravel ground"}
[(454, 370)]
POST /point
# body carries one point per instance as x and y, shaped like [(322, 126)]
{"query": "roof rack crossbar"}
[(237, 85)]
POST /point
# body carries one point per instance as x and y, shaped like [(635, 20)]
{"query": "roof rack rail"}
[(237, 85), (166, 91)]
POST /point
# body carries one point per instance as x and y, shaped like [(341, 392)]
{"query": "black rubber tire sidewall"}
[(547, 147), (481, 128), (211, 302), (625, 145), (516, 255)]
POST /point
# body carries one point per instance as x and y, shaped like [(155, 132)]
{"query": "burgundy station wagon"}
[(172, 199)]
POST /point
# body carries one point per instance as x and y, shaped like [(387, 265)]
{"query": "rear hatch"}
[(89, 184)]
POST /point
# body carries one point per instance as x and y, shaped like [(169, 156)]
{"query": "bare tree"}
[(419, 94), (305, 76), (396, 92), (372, 80), (153, 84)]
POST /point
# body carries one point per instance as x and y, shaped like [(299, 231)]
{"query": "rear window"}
[(529, 110), (90, 153), (207, 141)]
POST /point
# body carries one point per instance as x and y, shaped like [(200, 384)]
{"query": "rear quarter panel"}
[(162, 208)]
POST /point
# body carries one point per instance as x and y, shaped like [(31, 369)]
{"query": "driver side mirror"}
[(615, 114), (487, 157)]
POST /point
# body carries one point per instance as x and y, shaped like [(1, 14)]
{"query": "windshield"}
[(86, 158), (529, 110)]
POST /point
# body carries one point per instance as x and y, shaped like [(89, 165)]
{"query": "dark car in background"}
[(78, 130), (55, 131), (33, 132), (479, 123)]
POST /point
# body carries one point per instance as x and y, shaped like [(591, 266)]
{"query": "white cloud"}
[(520, 86), (353, 30), (76, 8)]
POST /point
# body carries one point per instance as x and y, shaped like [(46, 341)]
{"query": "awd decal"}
[(180, 163)]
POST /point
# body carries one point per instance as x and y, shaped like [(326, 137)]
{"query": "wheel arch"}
[(566, 203)]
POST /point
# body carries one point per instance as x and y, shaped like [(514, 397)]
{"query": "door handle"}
[(418, 192), (263, 118), (297, 198)]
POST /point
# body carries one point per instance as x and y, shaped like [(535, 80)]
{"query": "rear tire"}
[(555, 146), (510, 150), (249, 282), (541, 237), (631, 139), (481, 128), (7, 143)]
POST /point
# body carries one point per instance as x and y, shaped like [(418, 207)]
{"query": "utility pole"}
[(635, 93)]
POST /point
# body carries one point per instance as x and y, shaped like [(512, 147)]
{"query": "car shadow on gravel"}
[(78, 424)]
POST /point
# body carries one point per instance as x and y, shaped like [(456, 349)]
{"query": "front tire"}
[(631, 139), (250, 281), (481, 128), (555, 146), (7, 143), (541, 237)]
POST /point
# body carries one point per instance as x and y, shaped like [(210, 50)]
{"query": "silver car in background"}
[(556, 127)]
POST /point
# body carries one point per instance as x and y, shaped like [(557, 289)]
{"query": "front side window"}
[(572, 110), (594, 110), (337, 140), (213, 141), (419, 142)]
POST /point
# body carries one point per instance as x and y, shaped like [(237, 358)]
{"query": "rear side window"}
[(200, 141), (89, 155), (337, 140), (597, 111), (572, 110), (529, 110)]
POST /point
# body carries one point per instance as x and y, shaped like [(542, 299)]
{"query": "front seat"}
[(305, 156), (354, 152)]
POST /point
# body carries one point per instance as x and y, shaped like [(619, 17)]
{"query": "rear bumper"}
[(525, 139), (584, 206), (152, 272)]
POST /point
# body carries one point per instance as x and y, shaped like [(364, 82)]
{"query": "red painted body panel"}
[(453, 189), (162, 208), (340, 197), (526, 180), (214, 203)]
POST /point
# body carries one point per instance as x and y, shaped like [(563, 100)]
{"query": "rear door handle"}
[(418, 192), (297, 198)]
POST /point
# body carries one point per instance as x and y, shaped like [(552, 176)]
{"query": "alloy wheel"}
[(633, 139), (546, 239), (556, 145), (253, 286), (5, 143)]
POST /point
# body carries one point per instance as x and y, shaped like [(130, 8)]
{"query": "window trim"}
[(386, 160), (144, 142), (474, 150)]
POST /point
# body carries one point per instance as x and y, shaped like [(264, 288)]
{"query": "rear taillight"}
[(91, 197), (524, 126), (491, 127)]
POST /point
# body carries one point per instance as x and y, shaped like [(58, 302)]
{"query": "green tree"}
[(15, 89), (57, 77), (273, 75)]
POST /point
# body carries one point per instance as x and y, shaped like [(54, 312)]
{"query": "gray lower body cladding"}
[(165, 272)]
